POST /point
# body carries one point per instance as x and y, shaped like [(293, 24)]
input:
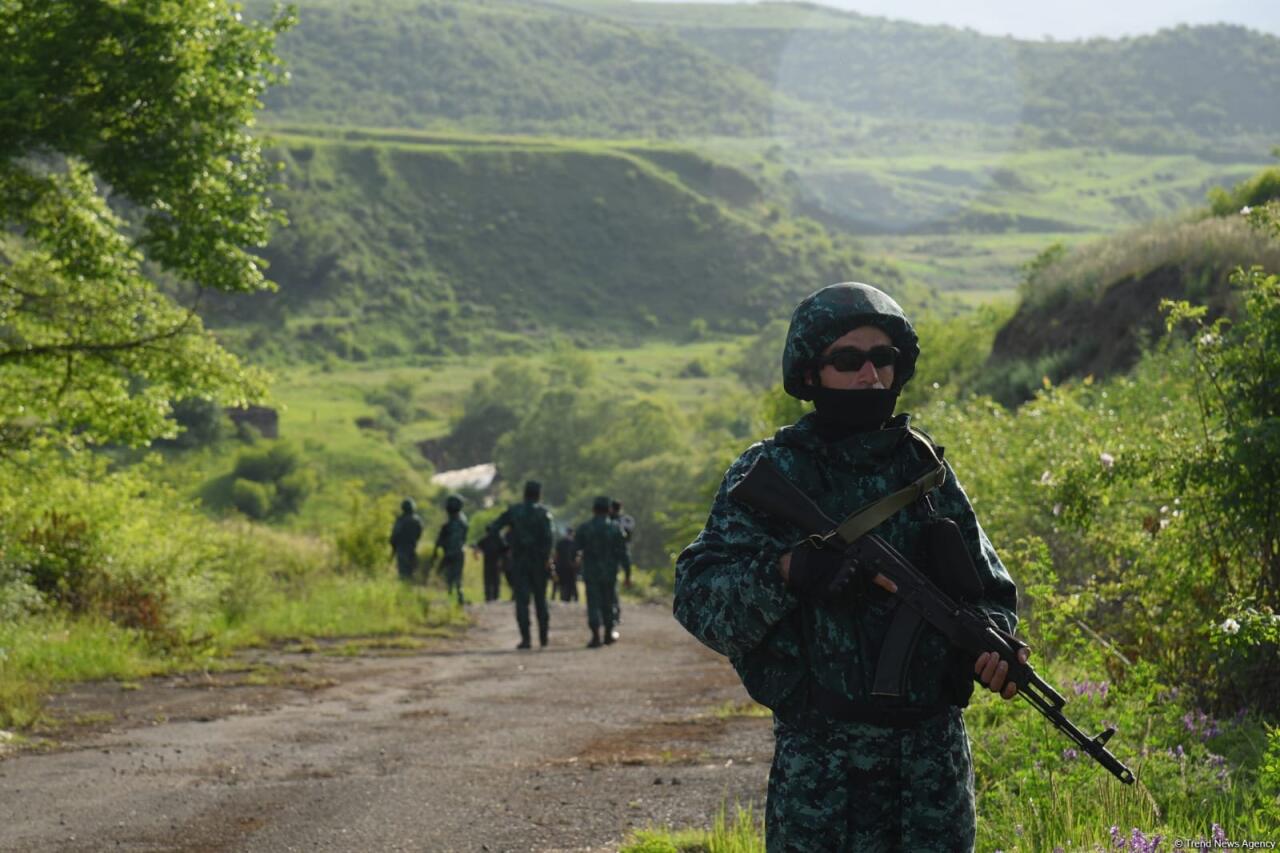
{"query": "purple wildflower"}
[(1091, 689), (1070, 754), (1117, 839), (1219, 835)]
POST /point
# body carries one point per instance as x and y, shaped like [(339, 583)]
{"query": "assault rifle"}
[(766, 489)]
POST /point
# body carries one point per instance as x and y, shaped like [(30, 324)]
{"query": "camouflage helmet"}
[(452, 504), (826, 314), (407, 506), (600, 504)]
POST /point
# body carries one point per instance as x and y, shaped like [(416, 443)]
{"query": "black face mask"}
[(854, 411)]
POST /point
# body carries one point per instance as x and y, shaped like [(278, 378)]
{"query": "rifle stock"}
[(768, 490)]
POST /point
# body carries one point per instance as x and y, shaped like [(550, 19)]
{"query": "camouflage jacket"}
[(531, 536), (730, 594), (453, 536), (406, 532), (603, 549)]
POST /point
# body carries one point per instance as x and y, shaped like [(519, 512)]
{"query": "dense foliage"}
[(153, 102)]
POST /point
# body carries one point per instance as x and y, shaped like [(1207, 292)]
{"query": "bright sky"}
[(1034, 19)]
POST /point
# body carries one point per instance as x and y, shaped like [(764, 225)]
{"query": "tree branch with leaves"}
[(127, 152)]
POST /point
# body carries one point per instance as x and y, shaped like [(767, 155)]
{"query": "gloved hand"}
[(820, 575)]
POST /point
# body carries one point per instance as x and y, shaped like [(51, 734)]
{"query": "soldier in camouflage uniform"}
[(452, 540), (627, 525), (567, 566), (531, 538), (603, 549), (494, 551), (405, 534), (851, 770)]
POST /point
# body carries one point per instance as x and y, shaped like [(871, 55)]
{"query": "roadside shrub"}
[(271, 480), (361, 540), (267, 464), (62, 559), (293, 489), (252, 498)]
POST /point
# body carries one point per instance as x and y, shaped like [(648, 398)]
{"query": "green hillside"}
[(511, 68), (398, 247), (613, 69)]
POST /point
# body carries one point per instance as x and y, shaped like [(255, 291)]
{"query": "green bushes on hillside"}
[(104, 573)]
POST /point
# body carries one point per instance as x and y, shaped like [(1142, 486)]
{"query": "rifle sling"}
[(855, 526)]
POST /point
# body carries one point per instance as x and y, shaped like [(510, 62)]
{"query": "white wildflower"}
[(1046, 478), (1246, 210), (1231, 626), (1108, 461), (1057, 509)]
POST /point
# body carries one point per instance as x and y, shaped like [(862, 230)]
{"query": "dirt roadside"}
[(464, 745)]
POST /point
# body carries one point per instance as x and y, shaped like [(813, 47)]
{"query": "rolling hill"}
[(425, 245)]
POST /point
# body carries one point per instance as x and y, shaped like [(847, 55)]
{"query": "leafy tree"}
[(125, 152)]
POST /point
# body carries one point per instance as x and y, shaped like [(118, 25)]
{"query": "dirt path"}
[(467, 745)]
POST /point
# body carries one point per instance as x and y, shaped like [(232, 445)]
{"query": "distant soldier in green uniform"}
[(530, 536), (493, 548), (627, 525), (452, 540), (567, 566), (603, 549), (853, 769), (405, 534)]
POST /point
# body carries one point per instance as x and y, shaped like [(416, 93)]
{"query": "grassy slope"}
[(872, 126), (610, 69), (400, 246)]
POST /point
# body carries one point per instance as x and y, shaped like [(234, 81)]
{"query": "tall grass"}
[(104, 574), (1207, 246)]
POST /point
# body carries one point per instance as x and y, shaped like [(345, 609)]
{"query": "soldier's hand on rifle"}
[(993, 671), (833, 571)]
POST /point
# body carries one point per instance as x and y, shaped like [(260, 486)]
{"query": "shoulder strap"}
[(868, 518)]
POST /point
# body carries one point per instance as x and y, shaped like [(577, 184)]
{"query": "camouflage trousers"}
[(406, 564), (452, 565), (871, 789), (530, 582), (602, 596)]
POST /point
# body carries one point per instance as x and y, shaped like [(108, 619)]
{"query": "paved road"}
[(466, 745)]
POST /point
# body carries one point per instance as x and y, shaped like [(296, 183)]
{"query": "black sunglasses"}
[(850, 360)]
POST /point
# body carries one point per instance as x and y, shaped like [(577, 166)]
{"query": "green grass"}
[(743, 832), (1032, 797), (38, 653), (341, 606), (731, 709)]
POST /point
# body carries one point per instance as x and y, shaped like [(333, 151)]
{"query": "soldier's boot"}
[(524, 639), (595, 639), (610, 635), (542, 636)]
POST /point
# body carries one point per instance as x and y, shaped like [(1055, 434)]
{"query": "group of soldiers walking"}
[(521, 546)]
